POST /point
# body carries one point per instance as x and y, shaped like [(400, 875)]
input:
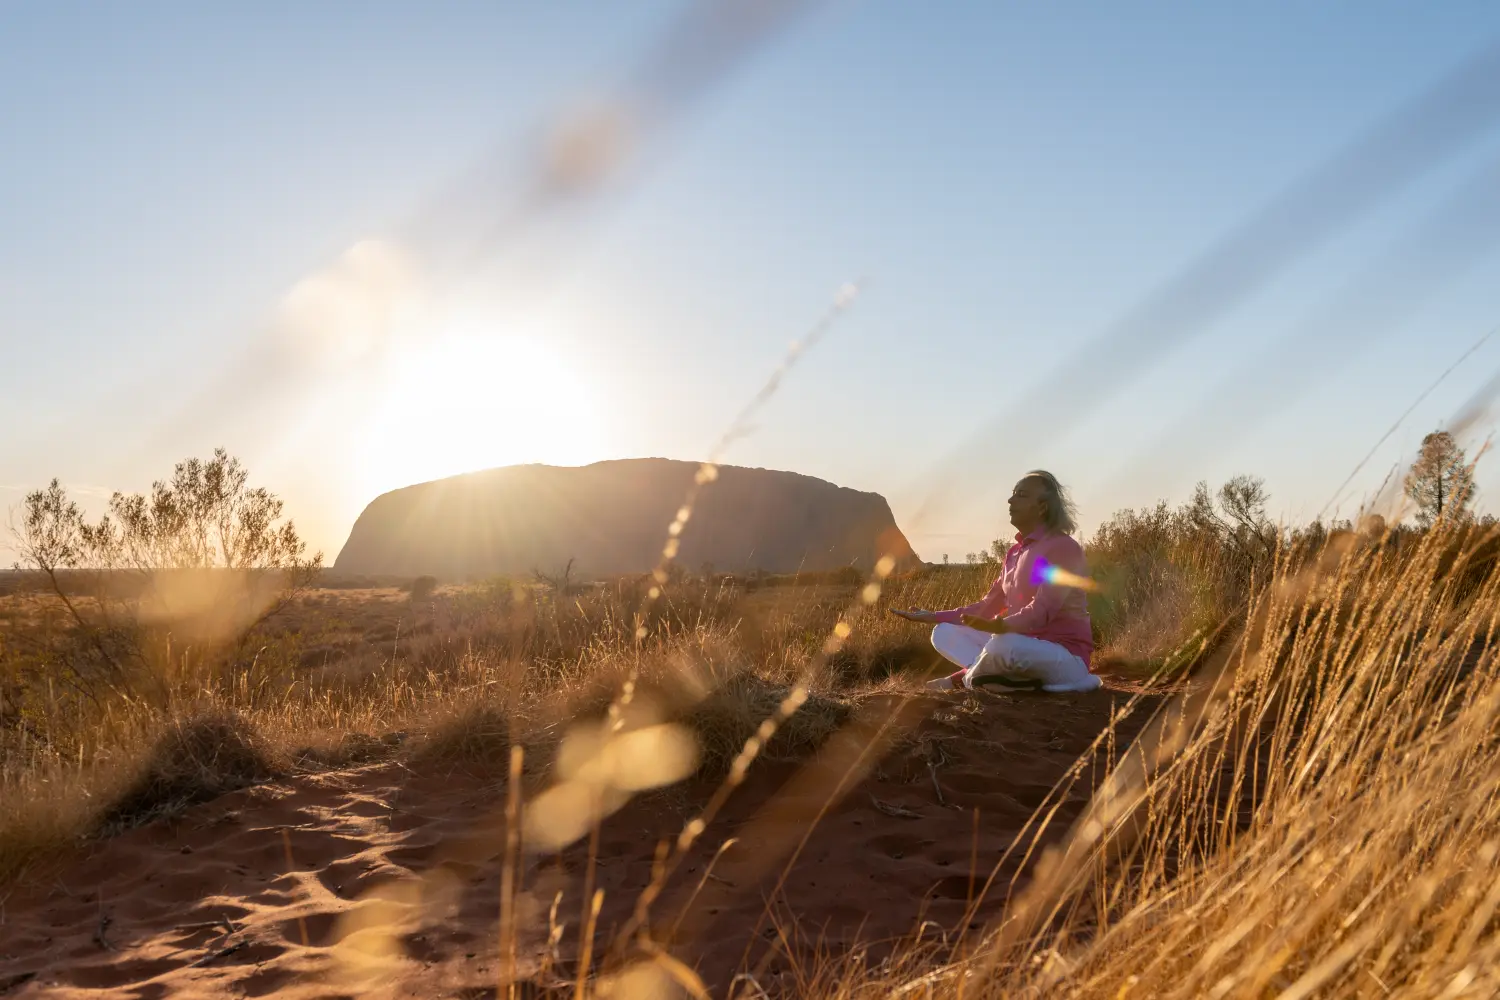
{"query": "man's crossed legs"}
[(1008, 661)]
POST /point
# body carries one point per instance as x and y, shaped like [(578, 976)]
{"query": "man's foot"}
[(953, 681)]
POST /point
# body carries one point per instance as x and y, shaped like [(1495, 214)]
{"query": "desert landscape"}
[(749, 500), (740, 787)]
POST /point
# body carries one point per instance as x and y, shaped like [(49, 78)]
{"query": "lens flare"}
[(1044, 572), (368, 943), (351, 308), (642, 981), (599, 769)]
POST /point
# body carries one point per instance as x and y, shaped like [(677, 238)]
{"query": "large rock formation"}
[(612, 518)]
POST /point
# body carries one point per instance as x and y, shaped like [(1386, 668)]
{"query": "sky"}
[(367, 245)]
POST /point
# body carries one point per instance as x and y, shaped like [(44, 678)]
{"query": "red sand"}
[(207, 905)]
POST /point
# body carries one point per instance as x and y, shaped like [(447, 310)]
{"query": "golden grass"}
[(1316, 814), (346, 677)]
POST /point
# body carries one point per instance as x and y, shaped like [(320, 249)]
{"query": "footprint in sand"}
[(898, 845), (114, 975), (421, 946), (956, 887), (412, 857), (273, 897), (1011, 791), (321, 929), (310, 849), (354, 877), (264, 982)]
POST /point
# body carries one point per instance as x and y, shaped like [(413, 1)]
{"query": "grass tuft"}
[(195, 759), (478, 734), (732, 712)]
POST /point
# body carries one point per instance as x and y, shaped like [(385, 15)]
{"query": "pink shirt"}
[(1030, 605)]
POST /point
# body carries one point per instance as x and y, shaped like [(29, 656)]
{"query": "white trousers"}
[(1011, 660)]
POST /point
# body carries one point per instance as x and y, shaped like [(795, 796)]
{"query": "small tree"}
[(203, 553), (1440, 482), (562, 583), (1236, 516), (1243, 500)]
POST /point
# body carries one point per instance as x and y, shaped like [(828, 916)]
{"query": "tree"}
[(1243, 500), (562, 583), (204, 556), (1236, 515), (994, 554), (1440, 482)]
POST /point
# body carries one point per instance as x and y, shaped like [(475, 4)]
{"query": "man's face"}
[(1027, 504)]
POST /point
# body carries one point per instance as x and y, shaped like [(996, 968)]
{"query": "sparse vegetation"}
[(1314, 816), (205, 559), (1173, 577), (322, 678)]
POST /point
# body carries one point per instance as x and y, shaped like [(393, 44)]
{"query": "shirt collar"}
[(1033, 535)]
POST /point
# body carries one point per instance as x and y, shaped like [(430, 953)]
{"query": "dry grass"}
[(1315, 815), (194, 760), (348, 676)]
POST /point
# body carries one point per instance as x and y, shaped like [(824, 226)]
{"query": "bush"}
[(1168, 576), (205, 559), (195, 760)]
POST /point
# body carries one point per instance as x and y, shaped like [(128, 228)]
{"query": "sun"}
[(471, 401)]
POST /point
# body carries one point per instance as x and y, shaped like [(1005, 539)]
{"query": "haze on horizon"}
[(363, 246)]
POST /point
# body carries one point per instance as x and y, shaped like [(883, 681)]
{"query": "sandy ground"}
[(382, 881)]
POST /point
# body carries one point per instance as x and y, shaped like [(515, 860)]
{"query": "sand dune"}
[(287, 888)]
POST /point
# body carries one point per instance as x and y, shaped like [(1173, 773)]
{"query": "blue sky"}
[(1009, 180)]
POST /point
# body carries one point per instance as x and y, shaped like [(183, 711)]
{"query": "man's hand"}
[(996, 626), (913, 615)]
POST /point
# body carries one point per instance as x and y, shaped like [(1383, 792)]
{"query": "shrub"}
[(1168, 576), (195, 759), (205, 559)]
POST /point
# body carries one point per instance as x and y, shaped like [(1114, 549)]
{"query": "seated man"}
[(1032, 629)]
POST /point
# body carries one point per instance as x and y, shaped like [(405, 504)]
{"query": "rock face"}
[(612, 518)]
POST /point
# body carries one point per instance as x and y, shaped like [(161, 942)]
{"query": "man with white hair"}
[(1032, 629)]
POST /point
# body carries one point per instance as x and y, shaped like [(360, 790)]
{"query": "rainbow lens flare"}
[(1044, 572)]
